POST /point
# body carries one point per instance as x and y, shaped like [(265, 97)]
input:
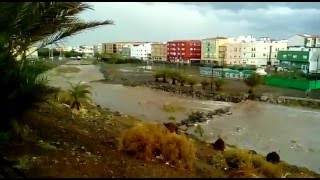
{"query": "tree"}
[(204, 83), (27, 24), (157, 75), (191, 81), (174, 76), (182, 79), (253, 81), (219, 82), (78, 92)]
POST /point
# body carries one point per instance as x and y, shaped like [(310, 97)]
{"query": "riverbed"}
[(263, 127)]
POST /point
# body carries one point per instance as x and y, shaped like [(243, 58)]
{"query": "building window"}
[(244, 54), (182, 44), (305, 57), (284, 56), (294, 56), (235, 49), (264, 54), (191, 49)]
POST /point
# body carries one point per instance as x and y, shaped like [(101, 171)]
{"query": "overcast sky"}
[(162, 21)]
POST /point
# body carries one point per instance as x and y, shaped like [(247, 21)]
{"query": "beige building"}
[(159, 51), (211, 51), (233, 54), (116, 47)]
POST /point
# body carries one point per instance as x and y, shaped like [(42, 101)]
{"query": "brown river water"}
[(293, 132)]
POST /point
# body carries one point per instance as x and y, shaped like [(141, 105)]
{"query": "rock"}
[(117, 113), (279, 101), (229, 113), (183, 127), (273, 157), (98, 106), (210, 114), (65, 144), (89, 153), (190, 125), (264, 98), (219, 145)]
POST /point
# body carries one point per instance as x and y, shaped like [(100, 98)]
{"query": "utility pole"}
[(211, 75)]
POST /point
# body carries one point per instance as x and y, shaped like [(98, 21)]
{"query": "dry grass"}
[(149, 141), (68, 69), (170, 108), (247, 161)]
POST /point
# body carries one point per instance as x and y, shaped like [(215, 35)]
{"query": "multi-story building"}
[(306, 60), (115, 47), (159, 51), (141, 51), (98, 49), (305, 40), (186, 51), (210, 50), (260, 53), (126, 50), (233, 54)]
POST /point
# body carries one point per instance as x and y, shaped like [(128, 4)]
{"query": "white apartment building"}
[(259, 53), (141, 51), (305, 40), (87, 50), (248, 38)]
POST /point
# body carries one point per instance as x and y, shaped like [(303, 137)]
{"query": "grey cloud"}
[(237, 6), (168, 21)]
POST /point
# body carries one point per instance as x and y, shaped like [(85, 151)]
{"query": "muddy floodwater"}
[(292, 132)]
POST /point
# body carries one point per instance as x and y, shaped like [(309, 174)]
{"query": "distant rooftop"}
[(309, 35), (183, 40)]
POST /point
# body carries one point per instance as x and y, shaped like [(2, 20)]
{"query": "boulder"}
[(264, 98), (183, 127), (219, 145), (273, 157)]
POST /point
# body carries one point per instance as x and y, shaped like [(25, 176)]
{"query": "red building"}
[(186, 51)]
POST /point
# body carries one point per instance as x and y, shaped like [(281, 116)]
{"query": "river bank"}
[(145, 103)]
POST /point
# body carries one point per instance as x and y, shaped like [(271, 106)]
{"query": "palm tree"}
[(78, 92), (219, 82), (27, 24)]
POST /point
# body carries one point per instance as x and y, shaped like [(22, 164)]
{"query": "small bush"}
[(199, 130), (219, 82), (148, 141), (253, 81), (242, 159)]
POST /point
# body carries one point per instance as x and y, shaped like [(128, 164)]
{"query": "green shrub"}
[(204, 83), (253, 81), (219, 82)]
